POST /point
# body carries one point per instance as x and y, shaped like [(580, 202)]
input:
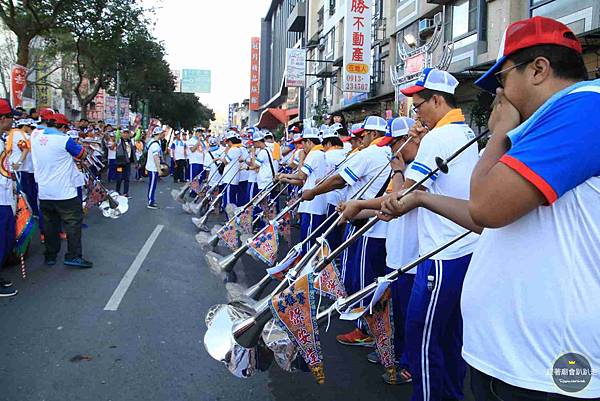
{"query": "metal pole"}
[(302, 94), (118, 100)]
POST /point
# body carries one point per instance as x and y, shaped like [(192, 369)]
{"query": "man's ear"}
[(539, 70)]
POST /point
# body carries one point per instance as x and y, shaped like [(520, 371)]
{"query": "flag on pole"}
[(245, 219), (328, 281), (230, 235), (381, 326), (285, 227), (264, 247), (295, 311)]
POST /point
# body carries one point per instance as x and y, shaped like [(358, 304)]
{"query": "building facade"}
[(462, 36)]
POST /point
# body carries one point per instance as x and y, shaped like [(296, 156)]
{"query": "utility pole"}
[(302, 94), (118, 101)]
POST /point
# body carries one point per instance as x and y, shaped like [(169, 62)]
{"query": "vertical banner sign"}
[(295, 63), (230, 116), (254, 74), (124, 111), (18, 80), (96, 113), (110, 110), (357, 46)]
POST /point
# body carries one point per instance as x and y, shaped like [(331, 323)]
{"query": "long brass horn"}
[(247, 332)]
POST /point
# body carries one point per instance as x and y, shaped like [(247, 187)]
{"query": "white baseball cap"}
[(258, 135), (433, 79), (311, 133), (397, 127), (374, 123), (231, 135), (157, 130)]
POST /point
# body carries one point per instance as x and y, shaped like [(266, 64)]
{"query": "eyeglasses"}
[(415, 107), (498, 75)]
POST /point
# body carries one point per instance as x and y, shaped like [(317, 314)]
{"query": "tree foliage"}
[(180, 110), (91, 40)]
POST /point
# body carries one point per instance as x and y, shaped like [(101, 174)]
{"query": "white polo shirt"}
[(196, 157), (402, 241), (315, 168), (213, 175), (244, 170), (252, 174), (435, 230), (52, 154), (233, 156), (7, 197), (178, 147), (334, 159), (153, 150), (531, 291), (15, 154), (112, 153), (360, 169), (264, 175)]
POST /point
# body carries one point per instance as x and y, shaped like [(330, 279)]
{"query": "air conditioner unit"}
[(426, 25), (437, 19)]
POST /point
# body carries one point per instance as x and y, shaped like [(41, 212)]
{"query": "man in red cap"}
[(7, 202), (53, 152), (531, 329)]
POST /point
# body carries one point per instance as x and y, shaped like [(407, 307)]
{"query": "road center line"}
[(117, 296)]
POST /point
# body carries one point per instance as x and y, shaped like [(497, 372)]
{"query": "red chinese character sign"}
[(357, 46), (254, 74), (18, 81)]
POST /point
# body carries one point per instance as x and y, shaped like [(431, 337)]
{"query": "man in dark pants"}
[(53, 153), (124, 159)]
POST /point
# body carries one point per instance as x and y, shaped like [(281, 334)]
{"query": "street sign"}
[(254, 73), (356, 76), (195, 81), (295, 62)]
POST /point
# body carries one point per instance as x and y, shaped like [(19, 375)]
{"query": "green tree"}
[(31, 18), (180, 110), (96, 34)]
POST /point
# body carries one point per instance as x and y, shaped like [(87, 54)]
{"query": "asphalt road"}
[(58, 343)]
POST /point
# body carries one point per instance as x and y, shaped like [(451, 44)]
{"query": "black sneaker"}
[(50, 261), (78, 262), (5, 283), (7, 292), (152, 206)]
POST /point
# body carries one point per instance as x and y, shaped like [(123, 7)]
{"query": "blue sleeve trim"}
[(423, 166), (351, 173), (73, 148)]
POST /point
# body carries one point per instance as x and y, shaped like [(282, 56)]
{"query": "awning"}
[(271, 118)]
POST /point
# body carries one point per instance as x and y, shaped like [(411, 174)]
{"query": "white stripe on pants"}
[(427, 329), (152, 175)]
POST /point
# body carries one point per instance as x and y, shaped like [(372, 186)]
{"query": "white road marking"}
[(117, 296)]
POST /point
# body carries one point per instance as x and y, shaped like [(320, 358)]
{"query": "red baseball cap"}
[(5, 107), (59, 119), (46, 114), (527, 33)]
